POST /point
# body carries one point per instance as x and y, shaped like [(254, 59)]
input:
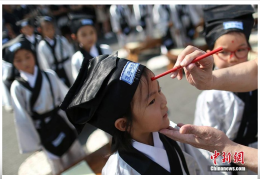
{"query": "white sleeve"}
[(105, 49), (137, 11), (114, 19), (6, 70), (175, 17), (68, 48), (220, 109), (160, 20), (6, 96), (28, 138), (195, 18), (43, 56), (75, 65)]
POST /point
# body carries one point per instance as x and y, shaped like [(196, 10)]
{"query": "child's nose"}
[(232, 58), (164, 103), (24, 62)]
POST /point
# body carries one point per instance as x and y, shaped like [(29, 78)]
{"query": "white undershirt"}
[(156, 153), (31, 79), (51, 41), (93, 51), (31, 38)]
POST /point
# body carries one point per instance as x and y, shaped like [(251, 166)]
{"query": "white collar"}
[(29, 77), (153, 151), (31, 38), (93, 51), (51, 41)]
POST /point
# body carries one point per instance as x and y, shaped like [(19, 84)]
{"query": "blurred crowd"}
[(180, 21), (163, 26)]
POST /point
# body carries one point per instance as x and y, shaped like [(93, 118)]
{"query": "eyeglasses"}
[(239, 53)]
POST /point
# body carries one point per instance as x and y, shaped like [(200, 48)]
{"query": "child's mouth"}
[(166, 115)]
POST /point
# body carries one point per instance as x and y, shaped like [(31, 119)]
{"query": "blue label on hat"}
[(233, 25), (24, 23), (5, 40), (86, 22), (15, 46), (48, 18), (129, 71)]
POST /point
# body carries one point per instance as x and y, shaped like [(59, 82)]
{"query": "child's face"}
[(24, 61), (87, 36), (48, 30), (27, 30), (232, 42), (149, 110)]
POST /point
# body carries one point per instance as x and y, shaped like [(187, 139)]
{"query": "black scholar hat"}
[(221, 19), (41, 19), (79, 20), (17, 44), (25, 22), (102, 92)]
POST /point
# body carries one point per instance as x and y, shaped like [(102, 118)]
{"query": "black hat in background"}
[(25, 22), (221, 19), (79, 20), (19, 43), (42, 19), (102, 92)]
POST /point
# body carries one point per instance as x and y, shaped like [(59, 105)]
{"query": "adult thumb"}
[(192, 129)]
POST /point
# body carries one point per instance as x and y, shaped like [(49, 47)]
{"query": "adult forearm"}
[(238, 78), (250, 155)]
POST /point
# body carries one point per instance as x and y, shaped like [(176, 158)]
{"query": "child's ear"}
[(120, 124), (73, 36), (208, 51)]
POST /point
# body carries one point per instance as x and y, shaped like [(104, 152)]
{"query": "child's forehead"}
[(147, 85), (86, 28), (234, 39), (22, 51), (47, 23)]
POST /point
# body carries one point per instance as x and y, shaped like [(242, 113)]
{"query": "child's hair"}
[(123, 140)]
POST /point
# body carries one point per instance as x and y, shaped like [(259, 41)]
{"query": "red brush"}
[(194, 61)]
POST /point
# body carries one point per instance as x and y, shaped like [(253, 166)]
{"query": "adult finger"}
[(176, 135), (190, 57), (192, 129), (189, 49)]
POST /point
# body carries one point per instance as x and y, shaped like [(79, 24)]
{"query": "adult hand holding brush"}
[(238, 78)]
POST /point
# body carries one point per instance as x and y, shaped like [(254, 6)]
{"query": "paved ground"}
[(181, 99)]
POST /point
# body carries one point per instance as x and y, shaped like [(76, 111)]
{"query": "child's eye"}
[(152, 102), (224, 52), (241, 50)]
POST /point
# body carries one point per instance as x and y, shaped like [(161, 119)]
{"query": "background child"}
[(54, 51), (118, 96), (233, 113), (27, 31), (123, 23), (84, 32), (40, 125)]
